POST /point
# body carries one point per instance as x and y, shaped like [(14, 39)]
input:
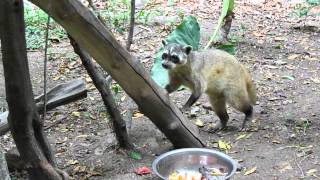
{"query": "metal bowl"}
[(191, 159)]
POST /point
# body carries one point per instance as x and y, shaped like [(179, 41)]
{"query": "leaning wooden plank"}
[(63, 94), (92, 36), (59, 95)]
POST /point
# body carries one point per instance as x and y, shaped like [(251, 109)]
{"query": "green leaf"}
[(134, 155), (313, 2), (230, 48), (223, 145), (188, 33)]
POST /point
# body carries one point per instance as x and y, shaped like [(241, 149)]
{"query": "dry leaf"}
[(315, 80), (199, 122), (56, 78), (280, 38), (223, 145), (63, 130), (79, 169), (72, 162), (293, 56), (276, 142), (62, 141), (284, 167), (137, 115), (241, 136), (76, 114), (88, 79), (250, 171), (310, 172), (257, 34), (82, 136), (271, 67)]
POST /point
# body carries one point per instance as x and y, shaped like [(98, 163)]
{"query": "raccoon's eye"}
[(164, 56), (175, 59)]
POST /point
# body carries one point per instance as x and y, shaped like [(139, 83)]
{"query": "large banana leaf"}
[(188, 33)]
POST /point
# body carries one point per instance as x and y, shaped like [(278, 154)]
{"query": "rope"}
[(45, 70)]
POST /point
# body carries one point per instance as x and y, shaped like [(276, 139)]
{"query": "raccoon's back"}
[(211, 57), (222, 70), (216, 63)]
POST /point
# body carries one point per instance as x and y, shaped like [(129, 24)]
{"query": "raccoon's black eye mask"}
[(164, 56), (174, 58)]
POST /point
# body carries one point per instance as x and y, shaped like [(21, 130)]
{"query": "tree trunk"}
[(119, 125), (23, 118), (225, 29), (152, 100)]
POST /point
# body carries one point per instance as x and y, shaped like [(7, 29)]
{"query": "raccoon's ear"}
[(164, 42), (187, 49)]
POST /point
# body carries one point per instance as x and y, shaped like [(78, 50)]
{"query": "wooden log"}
[(59, 95), (152, 100), (63, 94)]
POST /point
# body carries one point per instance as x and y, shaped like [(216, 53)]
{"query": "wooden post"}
[(24, 121)]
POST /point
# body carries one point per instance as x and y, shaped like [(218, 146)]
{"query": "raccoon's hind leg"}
[(219, 107), (248, 111), (241, 102)]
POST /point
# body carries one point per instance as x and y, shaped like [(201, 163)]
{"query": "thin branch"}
[(132, 14), (103, 87), (298, 165)]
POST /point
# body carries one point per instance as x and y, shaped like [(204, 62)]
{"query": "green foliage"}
[(117, 15), (230, 48), (144, 16), (303, 9), (135, 155), (35, 22), (188, 33), (116, 89), (313, 2)]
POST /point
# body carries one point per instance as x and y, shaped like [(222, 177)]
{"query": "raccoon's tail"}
[(251, 91)]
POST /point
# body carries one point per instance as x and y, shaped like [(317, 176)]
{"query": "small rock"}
[(194, 111), (292, 136)]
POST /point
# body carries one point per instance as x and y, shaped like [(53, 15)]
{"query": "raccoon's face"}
[(174, 55)]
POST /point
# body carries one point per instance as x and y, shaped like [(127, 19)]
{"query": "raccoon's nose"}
[(165, 66)]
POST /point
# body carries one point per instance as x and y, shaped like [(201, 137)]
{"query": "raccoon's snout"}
[(166, 66)]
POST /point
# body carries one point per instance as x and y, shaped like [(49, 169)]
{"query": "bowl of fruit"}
[(194, 164)]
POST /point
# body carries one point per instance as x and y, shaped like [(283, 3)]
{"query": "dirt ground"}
[(282, 54)]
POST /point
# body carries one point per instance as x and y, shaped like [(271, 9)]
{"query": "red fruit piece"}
[(142, 170)]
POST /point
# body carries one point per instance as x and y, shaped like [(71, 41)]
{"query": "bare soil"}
[(284, 63)]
